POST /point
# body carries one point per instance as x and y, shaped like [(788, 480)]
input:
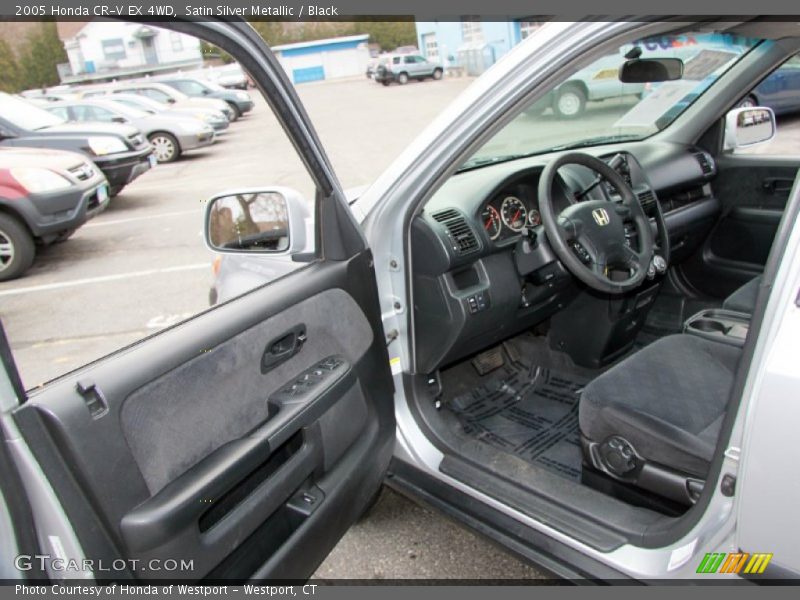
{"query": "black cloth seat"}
[(667, 400), (744, 299)]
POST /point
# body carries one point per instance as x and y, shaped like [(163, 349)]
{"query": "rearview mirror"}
[(749, 126), (651, 70), (268, 221)]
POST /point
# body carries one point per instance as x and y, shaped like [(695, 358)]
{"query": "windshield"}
[(25, 115), (593, 106)]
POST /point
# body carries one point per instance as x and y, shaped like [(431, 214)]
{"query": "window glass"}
[(140, 263), (114, 49), (592, 106)]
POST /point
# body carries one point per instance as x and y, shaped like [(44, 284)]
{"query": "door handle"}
[(283, 347), (777, 185)]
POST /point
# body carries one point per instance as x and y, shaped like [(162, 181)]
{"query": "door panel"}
[(197, 448), (753, 191), (244, 441)]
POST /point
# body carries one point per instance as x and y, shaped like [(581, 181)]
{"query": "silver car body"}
[(215, 118), (191, 133), (482, 110)]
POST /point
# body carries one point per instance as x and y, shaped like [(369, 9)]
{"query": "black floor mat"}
[(530, 412)]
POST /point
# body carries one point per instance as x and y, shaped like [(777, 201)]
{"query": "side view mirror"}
[(651, 70), (264, 221), (749, 126), (206, 92)]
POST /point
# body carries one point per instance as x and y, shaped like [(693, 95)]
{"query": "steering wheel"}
[(589, 237)]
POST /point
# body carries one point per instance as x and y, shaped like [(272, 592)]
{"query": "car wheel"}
[(385, 82), (165, 146), (16, 248), (748, 102), (437, 74), (570, 103), (236, 112), (402, 79)]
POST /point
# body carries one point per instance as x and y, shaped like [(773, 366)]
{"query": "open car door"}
[(239, 444)]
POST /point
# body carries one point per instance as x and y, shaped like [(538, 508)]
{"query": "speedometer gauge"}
[(514, 213), (491, 222)]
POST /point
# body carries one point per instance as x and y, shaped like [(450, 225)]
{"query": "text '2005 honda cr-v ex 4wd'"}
[(579, 340)]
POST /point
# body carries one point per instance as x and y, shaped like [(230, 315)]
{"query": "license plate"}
[(153, 160), (102, 194)]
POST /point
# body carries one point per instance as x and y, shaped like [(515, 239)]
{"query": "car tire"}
[(570, 102), (402, 78), (236, 112), (748, 101), (437, 74), (385, 82), (17, 249), (165, 146)]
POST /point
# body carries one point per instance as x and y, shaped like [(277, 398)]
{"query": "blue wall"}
[(500, 35)]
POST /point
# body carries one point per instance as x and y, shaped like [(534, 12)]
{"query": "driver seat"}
[(653, 420)]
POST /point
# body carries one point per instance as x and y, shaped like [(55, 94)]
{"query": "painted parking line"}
[(180, 213), (103, 279)]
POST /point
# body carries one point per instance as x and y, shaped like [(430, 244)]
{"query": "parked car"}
[(218, 121), (230, 76), (170, 135), (780, 91), (122, 152), (239, 101), (45, 195), (161, 93), (402, 68)]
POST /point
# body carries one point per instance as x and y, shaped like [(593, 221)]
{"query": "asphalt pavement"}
[(142, 266)]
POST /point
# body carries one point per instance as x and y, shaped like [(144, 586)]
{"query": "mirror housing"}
[(746, 127), (273, 221), (651, 70)]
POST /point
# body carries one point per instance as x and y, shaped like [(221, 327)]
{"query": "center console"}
[(719, 325)]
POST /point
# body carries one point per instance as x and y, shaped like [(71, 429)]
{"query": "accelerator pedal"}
[(488, 361)]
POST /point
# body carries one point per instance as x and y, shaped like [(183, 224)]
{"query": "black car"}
[(239, 101), (121, 152)]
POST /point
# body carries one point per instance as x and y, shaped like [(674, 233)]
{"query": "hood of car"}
[(41, 157), (119, 129), (213, 103)]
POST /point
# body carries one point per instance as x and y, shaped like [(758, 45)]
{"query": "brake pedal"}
[(488, 361)]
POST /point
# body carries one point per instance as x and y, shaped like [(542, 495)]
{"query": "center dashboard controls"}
[(478, 302), (514, 213)]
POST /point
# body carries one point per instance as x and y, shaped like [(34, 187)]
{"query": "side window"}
[(60, 111), (780, 91), (408, 60), (139, 263), (92, 113), (396, 60)]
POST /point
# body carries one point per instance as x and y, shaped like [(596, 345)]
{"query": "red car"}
[(45, 195)]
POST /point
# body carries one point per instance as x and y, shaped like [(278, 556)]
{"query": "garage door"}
[(308, 74)]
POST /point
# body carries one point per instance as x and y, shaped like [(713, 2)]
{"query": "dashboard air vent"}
[(705, 161), (647, 199), (462, 238)]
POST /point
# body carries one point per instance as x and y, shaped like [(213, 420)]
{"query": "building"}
[(104, 50), (324, 59), (470, 43)]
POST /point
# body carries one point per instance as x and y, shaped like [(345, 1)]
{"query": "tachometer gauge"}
[(514, 213), (491, 222), (534, 218)]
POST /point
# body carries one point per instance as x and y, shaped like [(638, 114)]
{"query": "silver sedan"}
[(170, 135)]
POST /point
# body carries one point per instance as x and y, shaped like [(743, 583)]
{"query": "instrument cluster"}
[(508, 212)]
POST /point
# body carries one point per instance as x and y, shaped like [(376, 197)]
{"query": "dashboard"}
[(473, 286)]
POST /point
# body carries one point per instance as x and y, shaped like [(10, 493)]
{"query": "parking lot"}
[(142, 266)]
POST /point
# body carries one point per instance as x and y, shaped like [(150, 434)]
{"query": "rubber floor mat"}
[(532, 413)]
